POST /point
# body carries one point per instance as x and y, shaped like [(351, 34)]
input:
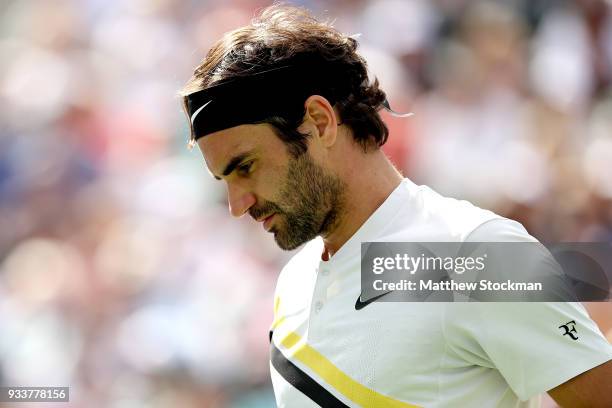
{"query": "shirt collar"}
[(374, 225)]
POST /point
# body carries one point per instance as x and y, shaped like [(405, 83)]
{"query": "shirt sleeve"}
[(534, 346)]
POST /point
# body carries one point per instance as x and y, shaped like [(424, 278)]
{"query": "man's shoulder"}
[(468, 222), (428, 215)]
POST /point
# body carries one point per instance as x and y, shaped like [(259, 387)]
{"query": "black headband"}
[(255, 98), (252, 99)]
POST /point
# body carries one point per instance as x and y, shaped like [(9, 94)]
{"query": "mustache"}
[(266, 208)]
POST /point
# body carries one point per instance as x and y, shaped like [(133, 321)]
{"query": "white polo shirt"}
[(325, 352)]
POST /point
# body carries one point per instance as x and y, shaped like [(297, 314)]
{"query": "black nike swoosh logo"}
[(360, 305)]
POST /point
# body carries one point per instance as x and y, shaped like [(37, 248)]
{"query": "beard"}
[(310, 202)]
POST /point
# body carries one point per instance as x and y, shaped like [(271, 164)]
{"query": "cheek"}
[(269, 183)]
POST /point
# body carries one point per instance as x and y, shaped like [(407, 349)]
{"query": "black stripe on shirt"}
[(301, 381)]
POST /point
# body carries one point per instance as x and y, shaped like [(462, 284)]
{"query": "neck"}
[(367, 188)]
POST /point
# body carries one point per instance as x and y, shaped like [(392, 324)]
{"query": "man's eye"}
[(245, 168)]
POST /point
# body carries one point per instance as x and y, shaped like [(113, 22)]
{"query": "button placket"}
[(322, 284), (319, 298)]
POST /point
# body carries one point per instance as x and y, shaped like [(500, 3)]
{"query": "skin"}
[(331, 150), (263, 178), (591, 389)]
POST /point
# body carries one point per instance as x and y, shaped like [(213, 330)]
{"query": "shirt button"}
[(318, 306)]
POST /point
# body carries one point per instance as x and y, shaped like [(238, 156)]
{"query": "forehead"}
[(220, 147)]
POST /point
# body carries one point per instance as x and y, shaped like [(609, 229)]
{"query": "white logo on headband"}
[(198, 111)]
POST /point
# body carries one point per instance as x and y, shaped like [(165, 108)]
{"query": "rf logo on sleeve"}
[(570, 329)]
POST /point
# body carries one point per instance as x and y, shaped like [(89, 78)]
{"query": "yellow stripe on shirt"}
[(335, 377)]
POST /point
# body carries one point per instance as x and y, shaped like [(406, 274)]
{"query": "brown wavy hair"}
[(283, 35)]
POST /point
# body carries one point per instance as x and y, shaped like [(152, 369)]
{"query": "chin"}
[(286, 246), (283, 240), (289, 244)]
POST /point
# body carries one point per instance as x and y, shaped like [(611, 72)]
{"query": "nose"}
[(239, 199)]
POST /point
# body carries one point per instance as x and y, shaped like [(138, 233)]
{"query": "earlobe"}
[(321, 115)]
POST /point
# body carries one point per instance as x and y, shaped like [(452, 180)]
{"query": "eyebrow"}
[(234, 162)]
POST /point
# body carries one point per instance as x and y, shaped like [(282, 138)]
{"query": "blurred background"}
[(122, 274)]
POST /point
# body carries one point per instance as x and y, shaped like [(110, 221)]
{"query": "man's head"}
[(281, 95), (298, 197)]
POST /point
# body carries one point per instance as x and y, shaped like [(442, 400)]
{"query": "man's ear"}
[(320, 118)]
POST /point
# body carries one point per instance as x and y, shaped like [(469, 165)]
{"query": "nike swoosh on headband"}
[(198, 111)]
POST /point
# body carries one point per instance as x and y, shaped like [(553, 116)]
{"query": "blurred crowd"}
[(122, 274)]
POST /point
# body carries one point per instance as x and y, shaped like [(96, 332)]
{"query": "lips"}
[(267, 222)]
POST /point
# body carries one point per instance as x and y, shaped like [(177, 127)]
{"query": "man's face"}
[(296, 198)]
